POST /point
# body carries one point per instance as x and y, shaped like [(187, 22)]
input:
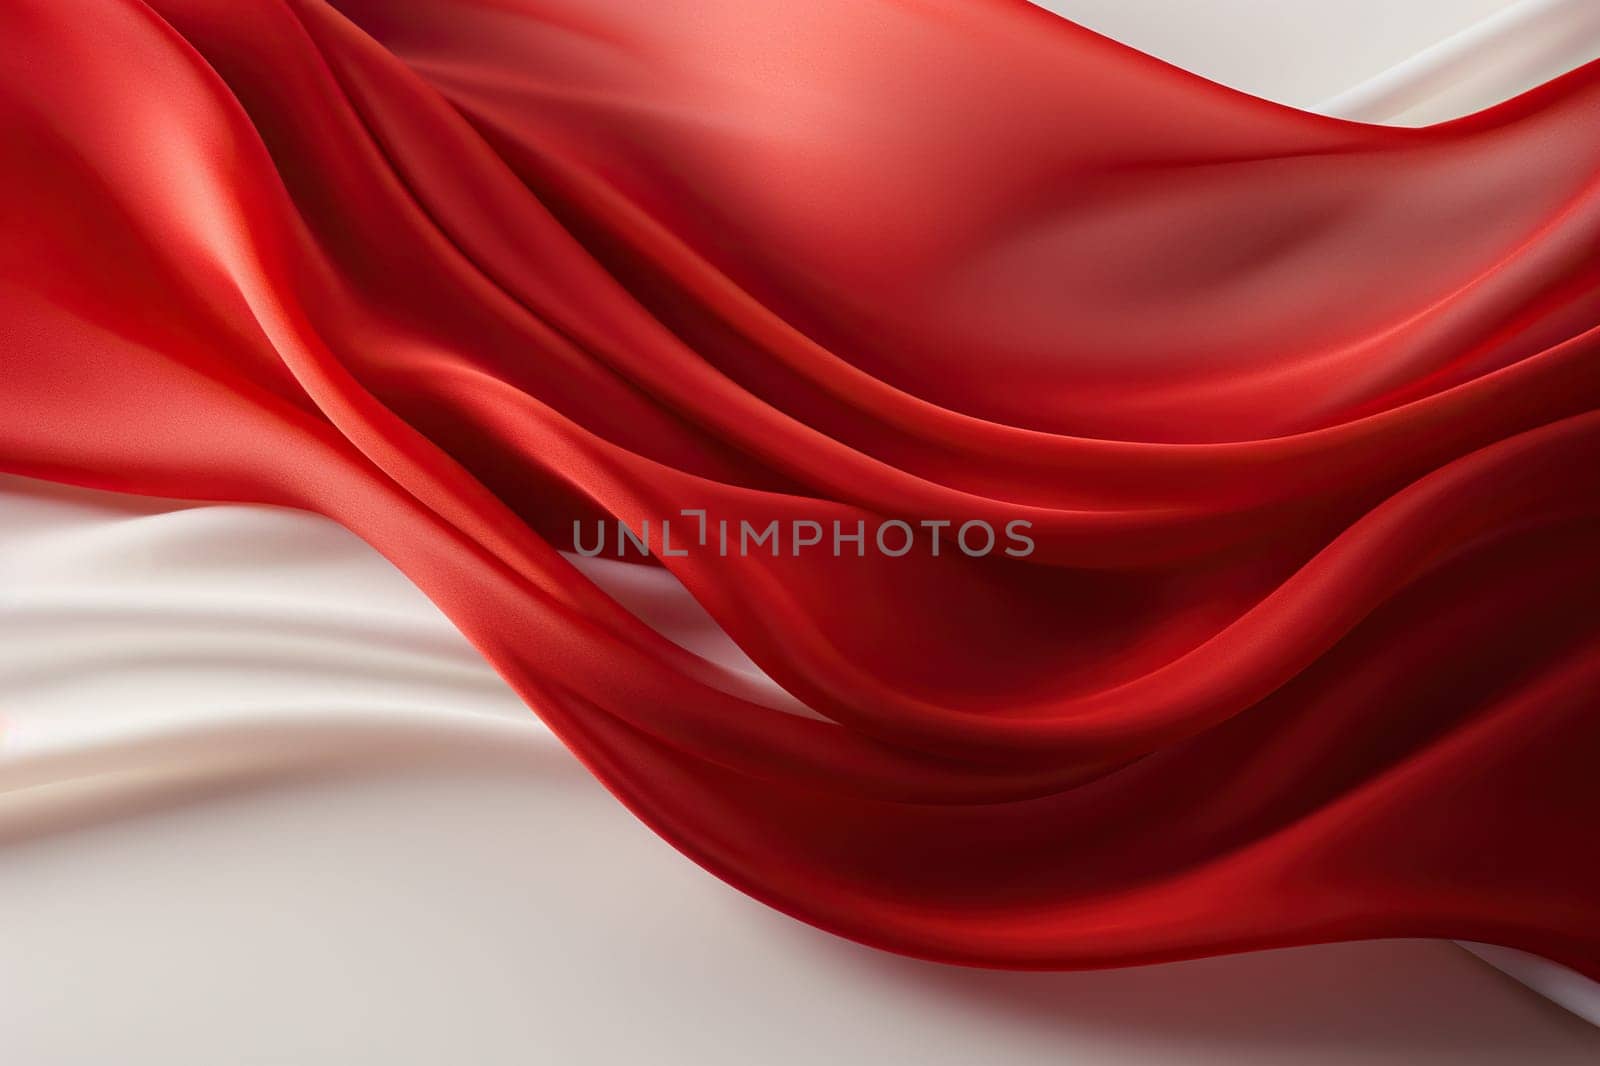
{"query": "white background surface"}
[(1296, 51)]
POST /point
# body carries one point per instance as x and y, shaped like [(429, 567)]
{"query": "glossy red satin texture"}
[(1303, 412)]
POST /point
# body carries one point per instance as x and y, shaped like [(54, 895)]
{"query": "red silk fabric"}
[(1305, 415)]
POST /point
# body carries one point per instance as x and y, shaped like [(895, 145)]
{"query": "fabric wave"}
[(1301, 413)]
